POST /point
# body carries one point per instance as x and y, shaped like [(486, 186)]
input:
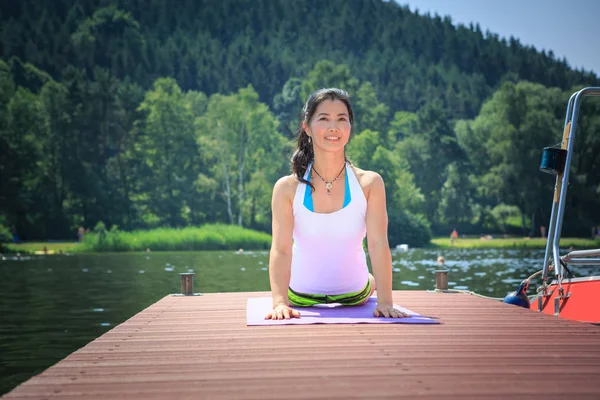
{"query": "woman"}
[(321, 214)]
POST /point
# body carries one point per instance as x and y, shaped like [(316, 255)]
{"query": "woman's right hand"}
[(282, 311)]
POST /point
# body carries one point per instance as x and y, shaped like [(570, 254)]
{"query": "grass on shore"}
[(228, 237), (52, 247), (511, 243), (207, 237)]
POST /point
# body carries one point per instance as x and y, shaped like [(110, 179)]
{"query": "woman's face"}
[(330, 126)]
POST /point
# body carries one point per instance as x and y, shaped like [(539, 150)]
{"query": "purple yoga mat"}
[(257, 308)]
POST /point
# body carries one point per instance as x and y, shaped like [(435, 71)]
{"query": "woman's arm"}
[(280, 259), (379, 249)]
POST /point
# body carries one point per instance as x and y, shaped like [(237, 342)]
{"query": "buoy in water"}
[(519, 297)]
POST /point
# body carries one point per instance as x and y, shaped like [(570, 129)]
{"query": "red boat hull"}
[(582, 303)]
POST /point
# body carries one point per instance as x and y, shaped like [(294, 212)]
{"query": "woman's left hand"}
[(388, 311)]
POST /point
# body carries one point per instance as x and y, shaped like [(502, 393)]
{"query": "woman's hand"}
[(388, 311), (282, 311)]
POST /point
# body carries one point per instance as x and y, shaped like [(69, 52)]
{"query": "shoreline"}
[(55, 247)]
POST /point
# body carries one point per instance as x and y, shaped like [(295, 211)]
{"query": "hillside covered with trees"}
[(147, 113)]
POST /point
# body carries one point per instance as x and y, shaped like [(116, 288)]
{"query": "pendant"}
[(328, 186)]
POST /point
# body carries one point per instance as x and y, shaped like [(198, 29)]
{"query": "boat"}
[(560, 293)]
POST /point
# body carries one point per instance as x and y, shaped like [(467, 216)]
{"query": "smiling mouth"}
[(332, 138)]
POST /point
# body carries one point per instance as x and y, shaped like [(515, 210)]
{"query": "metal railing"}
[(587, 257), (582, 257)]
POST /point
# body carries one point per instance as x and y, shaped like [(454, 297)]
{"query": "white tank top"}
[(327, 254)]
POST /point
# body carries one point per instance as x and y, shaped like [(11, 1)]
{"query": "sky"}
[(570, 28)]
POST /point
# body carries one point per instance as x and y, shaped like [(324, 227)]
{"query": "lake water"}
[(51, 306)]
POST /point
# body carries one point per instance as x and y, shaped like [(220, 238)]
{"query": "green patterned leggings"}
[(348, 299)]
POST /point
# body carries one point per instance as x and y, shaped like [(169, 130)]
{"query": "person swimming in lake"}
[(321, 214)]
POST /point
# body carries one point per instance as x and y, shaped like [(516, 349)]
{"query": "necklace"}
[(329, 184)]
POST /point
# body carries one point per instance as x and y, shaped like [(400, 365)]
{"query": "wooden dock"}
[(199, 347)]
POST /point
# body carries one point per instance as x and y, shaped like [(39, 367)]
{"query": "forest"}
[(143, 114)]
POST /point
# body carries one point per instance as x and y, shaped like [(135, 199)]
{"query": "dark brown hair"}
[(304, 153)]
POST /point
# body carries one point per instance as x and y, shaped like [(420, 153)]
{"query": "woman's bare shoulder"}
[(286, 186), (366, 178)]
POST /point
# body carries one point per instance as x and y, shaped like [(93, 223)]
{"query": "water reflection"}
[(491, 271), (53, 305)]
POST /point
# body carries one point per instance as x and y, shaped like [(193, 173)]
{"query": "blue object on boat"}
[(553, 160), (519, 297)]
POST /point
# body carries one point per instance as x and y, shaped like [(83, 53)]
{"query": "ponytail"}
[(303, 155)]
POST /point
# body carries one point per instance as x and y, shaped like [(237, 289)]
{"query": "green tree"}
[(241, 135), (58, 153), (111, 38), (502, 213), (121, 164), (366, 150), (370, 112), (326, 74), (20, 167), (402, 125), (287, 106), (404, 199), (168, 151), (106, 56), (429, 148), (456, 197), (7, 182), (504, 145)]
